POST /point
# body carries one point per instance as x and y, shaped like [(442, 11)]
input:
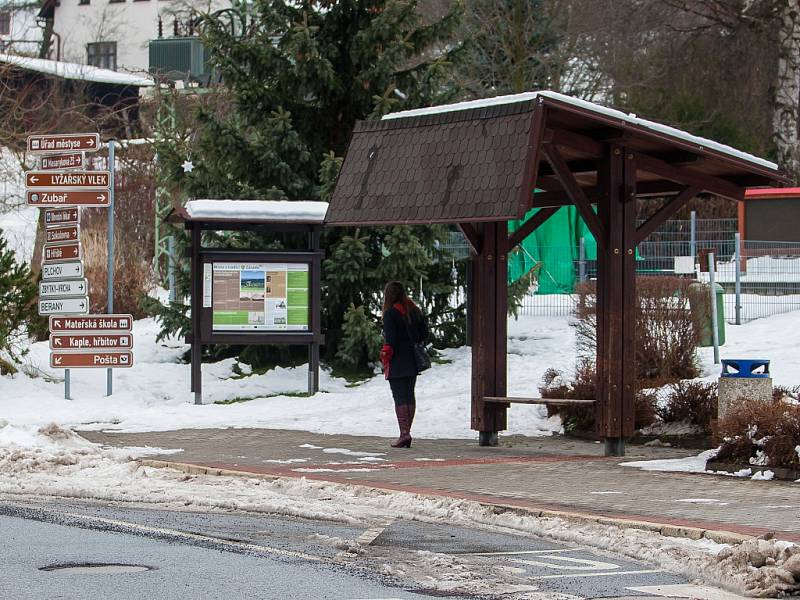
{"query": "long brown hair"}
[(394, 293)]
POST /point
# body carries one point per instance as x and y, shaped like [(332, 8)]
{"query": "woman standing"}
[(403, 326)]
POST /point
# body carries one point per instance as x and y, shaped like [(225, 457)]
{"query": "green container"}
[(701, 309)]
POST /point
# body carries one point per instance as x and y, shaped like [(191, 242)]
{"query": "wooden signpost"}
[(62, 252), (61, 216), (67, 233), (67, 197), (85, 142), (92, 341), (87, 180), (61, 161), (89, 360)]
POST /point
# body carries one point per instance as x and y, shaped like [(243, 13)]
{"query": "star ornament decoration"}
[(188, 167)]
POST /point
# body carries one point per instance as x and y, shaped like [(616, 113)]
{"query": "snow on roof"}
[(67, 70), (278, 211), (592, 107)]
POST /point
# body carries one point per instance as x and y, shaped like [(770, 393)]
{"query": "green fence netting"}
[(551, 251)]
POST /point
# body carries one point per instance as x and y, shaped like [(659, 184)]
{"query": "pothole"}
[(96, 568)]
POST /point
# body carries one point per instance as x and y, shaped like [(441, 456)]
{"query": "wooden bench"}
[(544, 401)]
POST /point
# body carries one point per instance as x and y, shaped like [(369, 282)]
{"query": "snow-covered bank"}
[(154, 394), (53, 461)]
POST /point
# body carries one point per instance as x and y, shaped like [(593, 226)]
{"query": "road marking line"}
[(372, 534), (700, 592), (610, 574), (578, 564)]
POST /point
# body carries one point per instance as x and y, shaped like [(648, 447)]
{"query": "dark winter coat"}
[(400, 336)]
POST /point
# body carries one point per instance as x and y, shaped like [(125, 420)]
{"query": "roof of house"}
[(76, 71), (765, 193), (480, 160)]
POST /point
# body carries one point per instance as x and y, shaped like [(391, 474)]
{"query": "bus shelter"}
[(477, 164)]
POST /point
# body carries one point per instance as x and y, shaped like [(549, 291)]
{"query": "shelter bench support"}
[(490, 306)]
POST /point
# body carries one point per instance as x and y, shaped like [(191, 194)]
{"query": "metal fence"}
[(768, 274)]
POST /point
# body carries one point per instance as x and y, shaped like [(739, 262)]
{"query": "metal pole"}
[(714, 331), (110, 263), (173, 292), (693, 234), (66, 385), (737, 257), (582, 261)]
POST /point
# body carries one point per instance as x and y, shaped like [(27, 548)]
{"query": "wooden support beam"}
[(529, 227), (665, 212), (472, 236), (686, 176), (575, 193), (565, 137), (532, 161)]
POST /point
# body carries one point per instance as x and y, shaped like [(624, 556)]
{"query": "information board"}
[(260, 296)]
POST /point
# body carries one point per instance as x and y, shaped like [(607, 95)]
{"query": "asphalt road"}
[(234, 555)]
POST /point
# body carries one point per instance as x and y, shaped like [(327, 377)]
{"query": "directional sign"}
[(63, 289), (88, 360), (62, 252), (64, 306), (63, 270), (94, 180), (91, 341), (42, 144), (61, 161), (68, 233), (92, 323), (65, 197), (54, 217)]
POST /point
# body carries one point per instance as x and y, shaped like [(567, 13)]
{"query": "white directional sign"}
[(62, 270), (64, 306), (63, 289), (88, 142)]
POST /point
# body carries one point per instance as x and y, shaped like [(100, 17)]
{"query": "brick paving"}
[(545, 473)]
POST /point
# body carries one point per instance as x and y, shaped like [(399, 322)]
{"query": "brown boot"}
[(403, 412)]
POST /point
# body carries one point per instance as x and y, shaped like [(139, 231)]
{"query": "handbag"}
[(421, 358)]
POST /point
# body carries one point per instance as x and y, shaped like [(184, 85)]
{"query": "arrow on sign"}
[(80, 287), (34, 179), (90, 142), (57, 360), (101, 198), (57, 323), (57, 342)]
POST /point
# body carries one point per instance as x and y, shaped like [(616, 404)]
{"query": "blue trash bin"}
[(745, 367)]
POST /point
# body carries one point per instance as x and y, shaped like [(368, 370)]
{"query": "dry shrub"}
[(692, 401), (667, 333), (132, 275), (584, 387), (782, 392), (768, 432)]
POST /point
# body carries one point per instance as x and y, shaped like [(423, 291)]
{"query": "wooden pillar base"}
[(487, 438), (615, 447)]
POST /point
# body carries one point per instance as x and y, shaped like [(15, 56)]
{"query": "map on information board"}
[(260, 297)]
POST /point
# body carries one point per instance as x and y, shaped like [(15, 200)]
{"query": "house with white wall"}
[(19, 31), (115, 34)]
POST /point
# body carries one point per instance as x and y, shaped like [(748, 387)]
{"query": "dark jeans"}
[(403, 389)]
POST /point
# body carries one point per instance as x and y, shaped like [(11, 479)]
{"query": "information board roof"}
[(258, 211)]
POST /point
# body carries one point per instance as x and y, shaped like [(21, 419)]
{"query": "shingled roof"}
[(479, 160)]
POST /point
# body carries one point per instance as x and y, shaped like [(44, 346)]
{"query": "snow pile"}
[(54, 461), (154, 394)]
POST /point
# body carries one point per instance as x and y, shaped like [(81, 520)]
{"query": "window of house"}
[(5, 23), (102, 54), (83, 1)]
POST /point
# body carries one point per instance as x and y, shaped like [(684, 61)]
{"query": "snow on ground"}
[(54, 461), (154, 394), (17, 220)]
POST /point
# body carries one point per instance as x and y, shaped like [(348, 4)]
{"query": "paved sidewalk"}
[(536, 473)]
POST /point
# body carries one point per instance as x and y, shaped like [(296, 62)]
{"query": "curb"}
[(719, 536)]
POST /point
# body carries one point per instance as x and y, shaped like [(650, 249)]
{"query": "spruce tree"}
[(17, 304), (295, 78)]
